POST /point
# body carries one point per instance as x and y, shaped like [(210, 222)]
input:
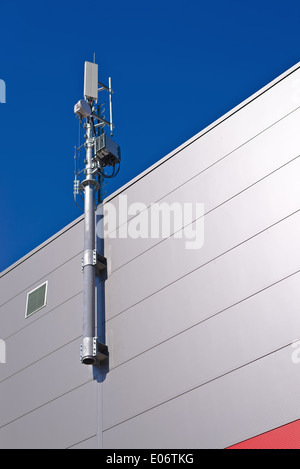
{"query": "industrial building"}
[(203, 342)]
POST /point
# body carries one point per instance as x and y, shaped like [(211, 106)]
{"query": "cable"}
[(114, 173), (77, 203)]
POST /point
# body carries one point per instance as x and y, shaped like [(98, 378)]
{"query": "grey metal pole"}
[(110, 106), (87, 352)]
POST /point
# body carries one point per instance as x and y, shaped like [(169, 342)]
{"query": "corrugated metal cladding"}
[(201, 341)]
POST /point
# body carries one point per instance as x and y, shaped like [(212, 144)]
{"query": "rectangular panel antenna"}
[(91, 80)]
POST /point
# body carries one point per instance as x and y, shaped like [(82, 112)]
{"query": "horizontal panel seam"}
[(39, 359), (198, 386), (208, 212), (204, 320), (206, 263), (40, 317), (40, 279), (46, 403), (255, 435), (202, 133), (45, 244), (214, 164), (81, 441)]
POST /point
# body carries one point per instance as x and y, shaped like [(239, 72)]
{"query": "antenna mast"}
[(101, 152)]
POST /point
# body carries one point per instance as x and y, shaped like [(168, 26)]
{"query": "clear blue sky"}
[(176, 67)]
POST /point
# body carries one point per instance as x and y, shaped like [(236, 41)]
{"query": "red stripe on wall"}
[(285, 437)]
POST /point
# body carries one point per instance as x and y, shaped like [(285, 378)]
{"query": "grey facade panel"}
[(61, 423), (228, 341), (251, 400), (64, 283), (184, 323), (220, 284), (62, 325), (255, 325), (48, 399), (41, 263), (250, 213), (184, 272), (90, 443), (50, 377), (237, 172)]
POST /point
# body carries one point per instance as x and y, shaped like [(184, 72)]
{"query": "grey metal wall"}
[(200, 340), (47, 399)]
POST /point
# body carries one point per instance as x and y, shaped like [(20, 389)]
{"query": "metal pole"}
[(87, 353), (110, 107)]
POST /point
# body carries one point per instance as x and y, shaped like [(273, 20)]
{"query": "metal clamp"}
[(91, 257), (92, 351)]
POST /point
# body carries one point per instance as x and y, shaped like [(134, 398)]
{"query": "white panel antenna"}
[(90, 81)]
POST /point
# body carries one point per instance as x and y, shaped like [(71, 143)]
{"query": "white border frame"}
[(45, 303)]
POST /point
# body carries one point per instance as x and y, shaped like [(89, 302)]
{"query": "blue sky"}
[(176, 67)]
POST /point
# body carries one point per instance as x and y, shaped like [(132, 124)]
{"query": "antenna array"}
[(102, 160), (106, 153)]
